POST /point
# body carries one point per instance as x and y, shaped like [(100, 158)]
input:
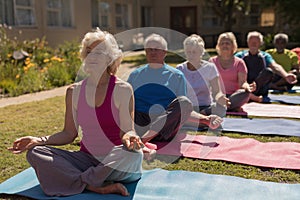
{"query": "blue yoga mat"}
[(172, 185), (276, 126), (285, 99)]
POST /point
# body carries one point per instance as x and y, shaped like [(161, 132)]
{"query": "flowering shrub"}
[(31, 66)]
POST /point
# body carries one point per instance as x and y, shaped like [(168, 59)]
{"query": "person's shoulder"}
[(213, 58), (209, 63), (121, 83), (136, 72), (264, 54), (173, 70), (122, 87), (290, 53), (271, 51), (238, 59), (182, 65), (74, 87), (139, 69), (241, 53)]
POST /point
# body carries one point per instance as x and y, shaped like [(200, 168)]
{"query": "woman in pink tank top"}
[(102, 106), (233, 72)]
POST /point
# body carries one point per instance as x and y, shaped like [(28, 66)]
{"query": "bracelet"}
[(44, 139)]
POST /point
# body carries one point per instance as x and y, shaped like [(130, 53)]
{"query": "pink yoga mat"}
[(284, 155), (269, 110)]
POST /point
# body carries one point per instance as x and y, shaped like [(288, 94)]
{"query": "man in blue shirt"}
[(161, 105), (261, 67)]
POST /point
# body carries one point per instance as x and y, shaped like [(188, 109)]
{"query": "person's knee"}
[(185, 104), (267, 73), (31, 154), (34, 154)]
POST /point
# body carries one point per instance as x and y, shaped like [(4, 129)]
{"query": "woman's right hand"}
[(24, 143)]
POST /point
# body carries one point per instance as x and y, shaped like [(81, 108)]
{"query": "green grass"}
[(46, 117)]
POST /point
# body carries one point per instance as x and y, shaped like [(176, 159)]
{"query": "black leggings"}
[(167, 123)]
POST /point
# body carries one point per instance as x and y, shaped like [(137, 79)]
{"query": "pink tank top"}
[(100, 125)]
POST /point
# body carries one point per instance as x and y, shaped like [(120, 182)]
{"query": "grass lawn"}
[(46, 117)]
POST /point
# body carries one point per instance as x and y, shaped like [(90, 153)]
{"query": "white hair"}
[(194, 41), (107, 46), (158, 39), (282, 36), (255, 34)]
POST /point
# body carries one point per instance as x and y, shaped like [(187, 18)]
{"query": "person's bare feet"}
[(115, 188), (212, 121), (255, 98)]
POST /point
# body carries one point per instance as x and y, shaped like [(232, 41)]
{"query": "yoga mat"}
[(284, 127), (269, 110), (285, 99), (170, 185), (284, 155)]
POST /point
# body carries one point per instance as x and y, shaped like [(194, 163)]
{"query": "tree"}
[(226, 10), (288, 12)]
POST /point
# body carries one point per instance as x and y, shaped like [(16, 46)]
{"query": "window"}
[(59, 13), (122, 15), (146, 16), (101, 14), (267, 18), (17, 12), (210, 19)]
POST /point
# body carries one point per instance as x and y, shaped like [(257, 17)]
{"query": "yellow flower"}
[(17, 76), (55, 58), (30, 65), (46, 60), (27, 61), (9, 55)]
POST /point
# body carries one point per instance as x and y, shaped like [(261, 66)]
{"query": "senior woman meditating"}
[(102, 105)]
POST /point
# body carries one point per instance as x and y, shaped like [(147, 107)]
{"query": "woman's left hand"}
[(132, 141)]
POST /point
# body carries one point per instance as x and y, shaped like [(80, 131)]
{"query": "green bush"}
[(31, 65)]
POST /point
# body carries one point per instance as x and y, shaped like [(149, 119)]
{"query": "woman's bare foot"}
[(255, 98), (212, 121), (115, 188)]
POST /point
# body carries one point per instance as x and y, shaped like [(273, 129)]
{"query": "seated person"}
[(161, 105), (203, 82), (233, 72), (261, 67), (102, 105), (286, 58)]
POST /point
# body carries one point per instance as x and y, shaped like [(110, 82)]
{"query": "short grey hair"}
[(158, 39), (282, 36), (255, 34), (195, 41)]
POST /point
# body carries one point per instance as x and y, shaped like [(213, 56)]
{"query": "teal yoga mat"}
[(170, 185)]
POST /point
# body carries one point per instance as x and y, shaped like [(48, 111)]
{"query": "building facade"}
[(65, 20)]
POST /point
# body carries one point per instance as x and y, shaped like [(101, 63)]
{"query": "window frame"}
[(60, 11)]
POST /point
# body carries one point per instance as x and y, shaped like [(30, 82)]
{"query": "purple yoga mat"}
[(286, 127)]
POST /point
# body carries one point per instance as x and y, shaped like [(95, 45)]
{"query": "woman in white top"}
[(204, 87)]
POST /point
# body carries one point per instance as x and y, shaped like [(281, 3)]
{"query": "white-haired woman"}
[(102, 105), (204, 87), (233, 72)]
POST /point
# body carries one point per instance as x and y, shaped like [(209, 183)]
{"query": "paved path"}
[(123, 73)]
